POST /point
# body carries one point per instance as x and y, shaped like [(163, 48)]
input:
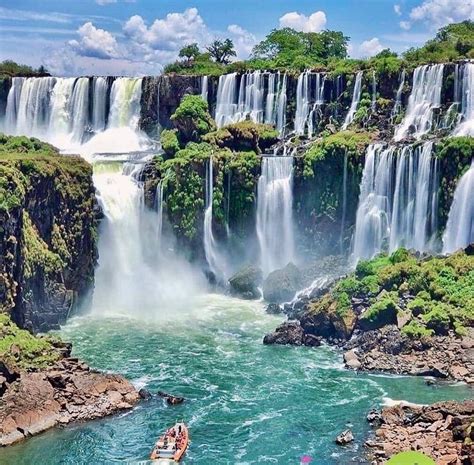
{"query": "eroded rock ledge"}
[(443, 431), (67, 391)]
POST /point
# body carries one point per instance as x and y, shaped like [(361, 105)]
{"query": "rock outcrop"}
[(443, 431), (246, 283), (281, 285), (49, 215), (65, 392)]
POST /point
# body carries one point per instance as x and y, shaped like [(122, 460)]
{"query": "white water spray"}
[(355, 101), (275, 213)]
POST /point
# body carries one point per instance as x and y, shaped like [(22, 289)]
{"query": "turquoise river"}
[(246, 403)]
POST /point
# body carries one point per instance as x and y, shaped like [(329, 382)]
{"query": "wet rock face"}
[(246, 282), (48, 241), (66, 392), (281, 285), (291, 333), (441, 431)]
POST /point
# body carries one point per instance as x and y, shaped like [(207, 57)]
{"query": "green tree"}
[(222, 51), (190, 52)]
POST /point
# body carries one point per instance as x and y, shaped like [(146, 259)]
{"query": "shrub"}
[(416, 330), (169, 142)]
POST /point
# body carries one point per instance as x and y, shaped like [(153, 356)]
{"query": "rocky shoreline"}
[(66, 392), (443, 431)]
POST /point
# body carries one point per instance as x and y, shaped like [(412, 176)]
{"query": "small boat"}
[(173, 444)]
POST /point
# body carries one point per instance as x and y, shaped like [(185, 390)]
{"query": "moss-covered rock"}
[(192, 119), (48, 213), (244, 136)]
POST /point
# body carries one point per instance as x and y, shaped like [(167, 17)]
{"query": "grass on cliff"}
[(434, 294), (24, 350)]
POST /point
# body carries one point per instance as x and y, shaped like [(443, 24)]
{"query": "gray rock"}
[(246, 282), (345, 437), (281, 285), (289, 332)]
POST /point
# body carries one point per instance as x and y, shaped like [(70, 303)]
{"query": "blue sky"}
[(135, 37)]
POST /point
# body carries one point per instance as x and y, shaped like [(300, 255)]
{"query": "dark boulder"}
[(290, 333), (144, 394), (246, 282), (281, 285), (171, 400), (274, 309)]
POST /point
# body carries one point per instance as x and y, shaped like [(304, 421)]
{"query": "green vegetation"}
[(452, 42), (22, 349), (169, 142), (244, 136), (9, 68), (192, 119), (291, 50), (436, 293), (344, 142)]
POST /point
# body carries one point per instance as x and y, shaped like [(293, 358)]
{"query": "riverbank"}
[(42, 386), (443, 431)]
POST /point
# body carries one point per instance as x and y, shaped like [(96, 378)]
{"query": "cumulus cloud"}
[(397, 9), (300, 22), (244, 41), (370, 47), (169, 33), (438, 13), (95, 42)]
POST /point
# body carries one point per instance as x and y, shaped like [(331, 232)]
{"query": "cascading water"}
[(460, 227), (213, 257), (275, 213), (424, 98), (355, 101), (99, 102), (398, 200), (251, 98), (13, 104), (466, 91), (79, 108), (159, 209), (204, 88), (133, 277), (309, 98), (344, 204), (398, 97)]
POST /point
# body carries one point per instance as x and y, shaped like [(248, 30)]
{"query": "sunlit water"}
[(246, 403)]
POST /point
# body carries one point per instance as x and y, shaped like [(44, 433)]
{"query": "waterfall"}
[(159, 209), (302, 102), (122, 134), (425, 96), (13, 104), (34, 107), (79, 109), (398, 97), (309, 98), (398, 200), (252, 99), (281, 107), (355, 101), (59, 123), (214, 259), (466, 94), (275, 213), (204, 88), (99, 104), (344, 204), (460, 227), (133, 276)]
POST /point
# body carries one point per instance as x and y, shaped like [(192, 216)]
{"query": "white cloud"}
[(370, 47), (300, 22), (94, 42), (405, 25), (25, 15), (169, 33), (438, 13), (397, 9), (244, 41)]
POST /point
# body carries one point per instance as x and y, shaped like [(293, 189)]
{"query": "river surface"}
[(246, 403)]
